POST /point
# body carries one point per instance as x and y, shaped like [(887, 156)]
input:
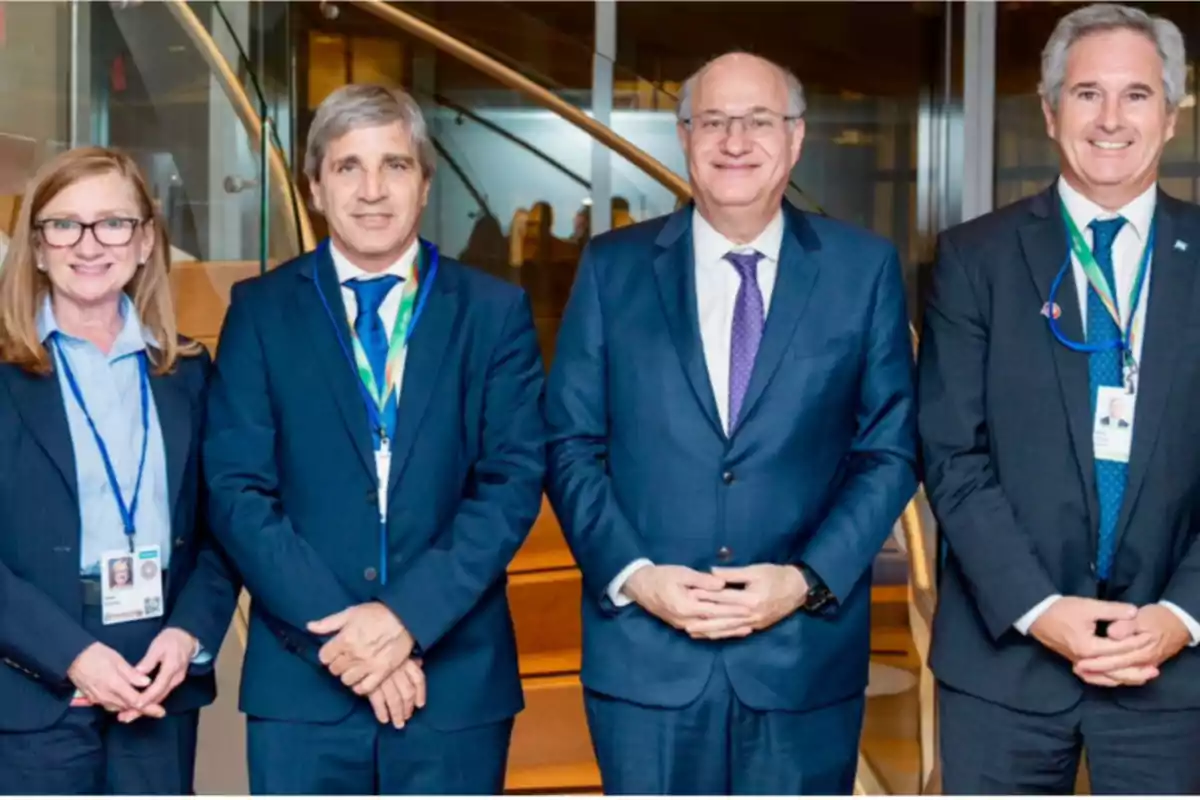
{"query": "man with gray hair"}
[(733, 435), (1069, 601), (375, 456)]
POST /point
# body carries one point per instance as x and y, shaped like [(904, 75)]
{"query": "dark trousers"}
[(990, 749), (718, 746), (89, 752), (358, 756)]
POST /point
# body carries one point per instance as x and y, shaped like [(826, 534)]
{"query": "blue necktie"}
[(370, 294), (1104, 369)]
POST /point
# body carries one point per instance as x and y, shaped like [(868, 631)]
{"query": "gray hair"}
[(795, 90), (1103, 17), (357, 106)]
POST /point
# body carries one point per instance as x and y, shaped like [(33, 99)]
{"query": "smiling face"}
[(95, 269), (1112, 121), (372, 192), (737, 165)]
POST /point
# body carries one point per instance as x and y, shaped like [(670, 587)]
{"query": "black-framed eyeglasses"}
[(110, 231), (755, 123)]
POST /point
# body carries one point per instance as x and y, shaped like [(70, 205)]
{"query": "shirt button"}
[(724, 554), (727, 476), (370, 574)]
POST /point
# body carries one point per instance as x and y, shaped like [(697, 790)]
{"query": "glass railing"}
[(643, 110)]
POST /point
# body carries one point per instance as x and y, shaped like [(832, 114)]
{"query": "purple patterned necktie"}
[(747, 330)]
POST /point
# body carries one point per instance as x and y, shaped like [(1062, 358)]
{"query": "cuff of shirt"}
[(618, 597), (1026, 622), (1187, 619), (201, 656)]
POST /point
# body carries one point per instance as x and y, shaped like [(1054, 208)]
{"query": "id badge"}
[(1112, 428), (383, 466), (132, 587)]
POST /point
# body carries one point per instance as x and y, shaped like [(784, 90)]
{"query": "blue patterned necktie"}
[(370, 294), (747, 330), (1104, 369)]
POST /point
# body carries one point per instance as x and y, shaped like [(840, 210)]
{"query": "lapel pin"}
[(1181, 245), (1047, 309)]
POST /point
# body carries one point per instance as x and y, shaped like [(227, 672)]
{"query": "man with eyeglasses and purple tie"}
[(732, 436)]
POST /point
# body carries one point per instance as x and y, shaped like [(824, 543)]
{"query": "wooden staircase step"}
[(551, 750), (545, 547), (546, 616)]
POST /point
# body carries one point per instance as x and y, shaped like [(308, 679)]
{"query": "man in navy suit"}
[(375, 453), (732, 438), (1069, 601)]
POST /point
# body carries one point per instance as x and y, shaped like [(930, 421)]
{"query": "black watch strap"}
[(818, 595)]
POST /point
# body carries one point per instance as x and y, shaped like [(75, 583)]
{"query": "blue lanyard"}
[(128, 512), (380, 431), (1124, 343)]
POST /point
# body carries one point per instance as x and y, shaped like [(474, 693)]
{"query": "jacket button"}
[(370, 574), (727, 477), (372, 497), (724, 554), (179, 542)]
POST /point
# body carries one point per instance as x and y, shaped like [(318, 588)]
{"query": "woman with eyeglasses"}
[(113, 599)]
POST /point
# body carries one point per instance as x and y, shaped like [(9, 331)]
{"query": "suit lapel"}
[(326, 352), (675, 272), (1044, 243), (789, 301), (174, 407), (38, 399), (422, 364), (1173, 293)]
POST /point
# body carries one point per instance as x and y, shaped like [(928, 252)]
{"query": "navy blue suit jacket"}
[(41, 606), (291, 470), (817, 471), (1006, 424)]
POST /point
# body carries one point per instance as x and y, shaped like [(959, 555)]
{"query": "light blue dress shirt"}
[(111, 387)]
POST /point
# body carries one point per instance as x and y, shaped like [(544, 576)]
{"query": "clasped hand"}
[(371, 653), (709, 606), (107, 680), (1138, 641)]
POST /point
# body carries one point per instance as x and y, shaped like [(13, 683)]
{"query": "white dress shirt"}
[(717, 285), (1127, 255), (390, 307)]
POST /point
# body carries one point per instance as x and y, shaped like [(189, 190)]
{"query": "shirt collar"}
[(132, 338), (1138, 212), (347, 271), (710, 242)]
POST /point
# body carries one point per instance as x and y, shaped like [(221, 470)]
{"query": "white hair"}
[(357, 106), (795, 90), (1103, 17)]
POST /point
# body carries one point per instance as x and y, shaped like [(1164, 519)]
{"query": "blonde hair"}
[(23, 286)]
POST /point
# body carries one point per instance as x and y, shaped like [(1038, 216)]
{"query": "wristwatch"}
[(818, 595)]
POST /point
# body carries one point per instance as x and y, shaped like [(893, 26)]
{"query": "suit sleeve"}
[(501, 501), (36, 635), (1183, 589), (880, 474), (600, 537), (281, 570), (995, 554), (207, 601)]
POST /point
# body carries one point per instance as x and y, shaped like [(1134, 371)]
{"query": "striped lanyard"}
[(396, 346), (1107, 294)]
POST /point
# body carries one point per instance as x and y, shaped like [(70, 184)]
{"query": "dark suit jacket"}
[(1006, 424), (292, 474), (41, 611), (817, 472)]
